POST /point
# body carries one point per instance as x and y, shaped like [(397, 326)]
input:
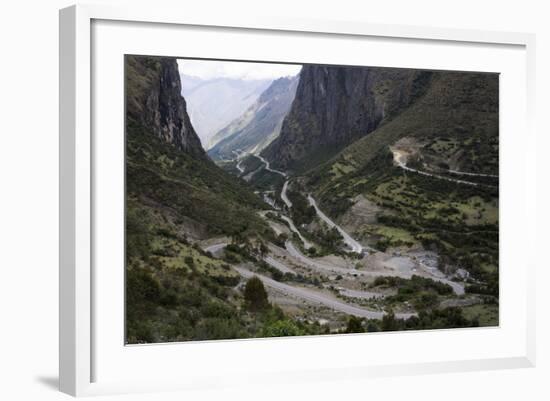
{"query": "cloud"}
[(210, 69)]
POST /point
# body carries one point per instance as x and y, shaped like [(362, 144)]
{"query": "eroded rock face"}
[(154, 100), (336, 105)]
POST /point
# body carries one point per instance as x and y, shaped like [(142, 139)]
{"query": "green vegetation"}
[(484, 314), (389, 236), (426, 320), (159, 174), (265, 180), (301, 212), (459, 222), (354, 325), (177, 292), (329, 241), (176, 197), (255, 295), (283, 328), (251, 163), (229, 167), (422, 293), (433, 319)]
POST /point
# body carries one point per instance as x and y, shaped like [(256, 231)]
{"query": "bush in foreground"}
[(255, 295)]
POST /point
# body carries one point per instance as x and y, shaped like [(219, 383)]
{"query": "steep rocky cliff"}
[(166, 167), (453, 125), (175, 195), (260, 124), (154, 101), (335, 106)]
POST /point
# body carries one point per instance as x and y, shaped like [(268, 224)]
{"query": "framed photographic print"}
[(294, 200)]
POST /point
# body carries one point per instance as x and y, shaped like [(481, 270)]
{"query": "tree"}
[(263, 250), (282, 328), (354, 325), (255, 295), (189, 261), (389, 323), (372, 327)]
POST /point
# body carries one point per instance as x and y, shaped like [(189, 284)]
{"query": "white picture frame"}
[(79, 346)]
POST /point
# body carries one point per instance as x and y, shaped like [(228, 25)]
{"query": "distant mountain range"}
[(227, 96), (259, 125)]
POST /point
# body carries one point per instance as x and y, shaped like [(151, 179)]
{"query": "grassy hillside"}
[(453, 125), (336, 105), (457, 117), (177, 292), (196, 189), (175, 196)]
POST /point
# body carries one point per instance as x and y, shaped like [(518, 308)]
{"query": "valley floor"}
[(330, 288)]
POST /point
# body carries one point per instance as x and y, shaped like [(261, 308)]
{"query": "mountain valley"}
[(345, 199)]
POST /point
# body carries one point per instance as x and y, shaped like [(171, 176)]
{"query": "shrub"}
[(355, 325), (255, 295), (282, 328), (189, 261)]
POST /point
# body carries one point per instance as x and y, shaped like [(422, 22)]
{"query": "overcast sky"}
[(208, 69)]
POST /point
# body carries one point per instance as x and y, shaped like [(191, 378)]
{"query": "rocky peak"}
[(336, 105), (154, 101)]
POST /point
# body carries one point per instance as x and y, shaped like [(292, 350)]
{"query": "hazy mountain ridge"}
[(229, 97), (260, 124)]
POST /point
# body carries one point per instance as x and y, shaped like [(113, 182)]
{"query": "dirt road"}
[(317, 297), (350, 242), (400, 159)]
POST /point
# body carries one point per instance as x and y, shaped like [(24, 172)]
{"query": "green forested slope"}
[(175, 291), (454, 124)]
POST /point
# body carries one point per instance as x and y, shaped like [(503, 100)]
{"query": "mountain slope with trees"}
[(175, 195), (334, 106), (454, 124)]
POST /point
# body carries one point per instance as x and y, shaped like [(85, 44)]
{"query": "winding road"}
[(472, 174), (360, 294), (350, 242), (327, 268), (318, 297), (294, 229), (355, 246), (400, 159), (216, 247), (331, 269), (268, 167), (240, 159), (278, 265), (284, 197)]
